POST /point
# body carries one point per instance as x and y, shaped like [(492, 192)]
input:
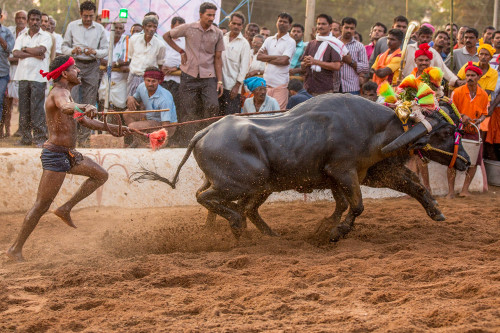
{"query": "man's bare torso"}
[(62, 127)]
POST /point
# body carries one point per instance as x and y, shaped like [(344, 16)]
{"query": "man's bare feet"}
[(450, 195), (65, 216), (464, 194), (16, 256)]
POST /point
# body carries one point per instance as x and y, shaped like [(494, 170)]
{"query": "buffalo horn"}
[(415, 133)]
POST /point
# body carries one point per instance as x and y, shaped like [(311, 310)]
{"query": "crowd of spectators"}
[(196, 70)]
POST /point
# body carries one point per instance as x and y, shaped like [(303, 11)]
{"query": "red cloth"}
[(472, 67), (57, 72), (423, 49), (155, 75)]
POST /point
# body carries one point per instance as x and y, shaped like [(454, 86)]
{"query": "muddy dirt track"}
[(161, 270)]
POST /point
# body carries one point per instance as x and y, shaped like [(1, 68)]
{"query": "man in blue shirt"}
[(154, 97), (297, 33), (7, 41), (297, 92)]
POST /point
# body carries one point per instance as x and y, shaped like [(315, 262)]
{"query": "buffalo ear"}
[(412, 135)]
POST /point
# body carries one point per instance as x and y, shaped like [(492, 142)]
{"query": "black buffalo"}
[(333, 141)]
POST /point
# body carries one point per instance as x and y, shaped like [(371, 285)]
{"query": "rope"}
[(428, 147), (210, 119), (119, 132), (67, 17), (242, 3)]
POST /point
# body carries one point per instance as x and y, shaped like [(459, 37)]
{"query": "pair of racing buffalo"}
[(333, 141)]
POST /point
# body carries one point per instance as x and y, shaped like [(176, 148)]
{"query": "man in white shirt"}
[(235, 63), (424, 35), (21, 18), (145, 50), (45, 26), (32, 48), (256, 67), (277, 52), (119, 74), (86, 41), (173, 62), (59, 38)]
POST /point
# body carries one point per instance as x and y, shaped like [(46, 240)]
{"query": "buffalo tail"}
[(145, 174)]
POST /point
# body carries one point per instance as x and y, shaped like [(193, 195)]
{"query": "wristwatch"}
[(219, 82)]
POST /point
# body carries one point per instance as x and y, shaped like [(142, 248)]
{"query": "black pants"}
[(198, 100), (173, 87), (32, 112), (86, 93), (228, 105)]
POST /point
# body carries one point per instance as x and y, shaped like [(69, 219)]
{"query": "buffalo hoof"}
[(438, 217), (340, 231), (274, 234), (237, 232), (322, 232)]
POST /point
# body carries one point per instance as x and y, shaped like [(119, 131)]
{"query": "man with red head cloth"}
[(154, 97), (472, 103), (423, 59), (59, 156)]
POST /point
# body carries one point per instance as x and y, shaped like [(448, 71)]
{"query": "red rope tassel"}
[(158, 138)]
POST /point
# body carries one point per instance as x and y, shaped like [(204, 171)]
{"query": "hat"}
[(254, 82), (488, 48), (423, 49), (474, 68), (430, 26)]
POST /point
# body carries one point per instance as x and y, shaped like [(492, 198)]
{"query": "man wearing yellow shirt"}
[(489, 79)]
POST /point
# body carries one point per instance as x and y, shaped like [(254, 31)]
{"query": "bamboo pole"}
[(128, 112), (451, 37)]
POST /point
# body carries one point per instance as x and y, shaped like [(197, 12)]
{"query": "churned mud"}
[(163, 270)]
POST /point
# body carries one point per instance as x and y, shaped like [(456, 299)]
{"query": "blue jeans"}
[(4, 80)]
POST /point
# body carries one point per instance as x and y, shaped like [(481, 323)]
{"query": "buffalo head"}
[(438, 144)]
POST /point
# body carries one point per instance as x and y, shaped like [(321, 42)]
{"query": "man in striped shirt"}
[(358, 64)]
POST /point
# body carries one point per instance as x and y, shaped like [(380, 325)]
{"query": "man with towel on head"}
[(260, 101), (322, 59)]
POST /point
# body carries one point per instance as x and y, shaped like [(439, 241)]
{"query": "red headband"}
[(57, 72), (423, 49), (155, 75), (471, 67)]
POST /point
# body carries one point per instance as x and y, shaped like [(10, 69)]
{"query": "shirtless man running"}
[(58, 155)]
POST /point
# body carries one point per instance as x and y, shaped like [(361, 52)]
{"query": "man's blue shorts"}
[(60, 161)]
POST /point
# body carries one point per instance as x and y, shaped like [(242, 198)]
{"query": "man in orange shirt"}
[(472, 102), (386, 66)]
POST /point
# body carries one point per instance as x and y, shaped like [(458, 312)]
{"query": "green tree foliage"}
[(56, 8)]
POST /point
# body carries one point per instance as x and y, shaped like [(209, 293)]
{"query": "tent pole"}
[(309, 24), (495, 13), (109, 67)]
